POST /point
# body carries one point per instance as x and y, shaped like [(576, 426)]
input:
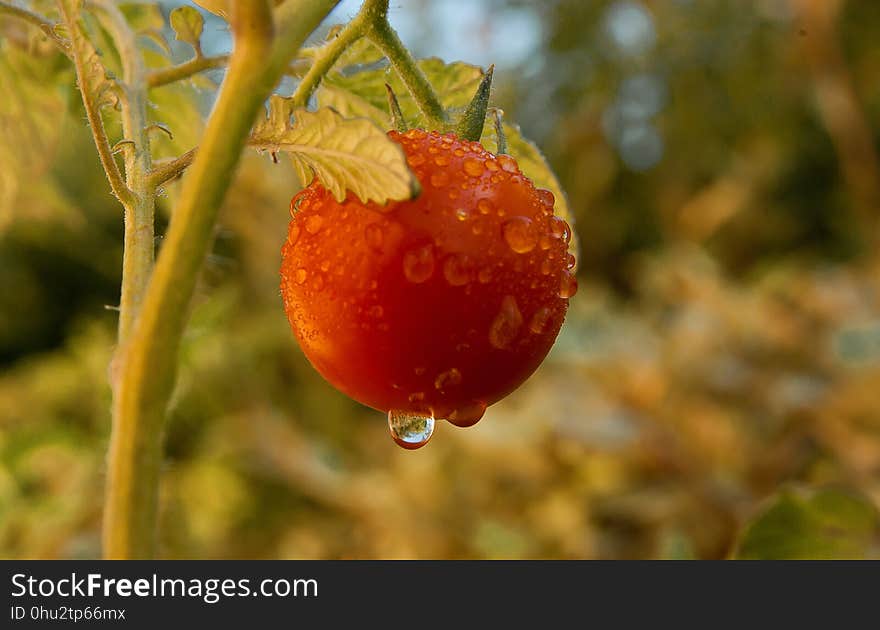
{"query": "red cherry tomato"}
[(440, 305)]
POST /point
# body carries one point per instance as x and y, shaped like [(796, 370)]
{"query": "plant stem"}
[(168, 170), (149, 366), (137, 261), (39, 21), (380, 33), (164, 76), (81, 52), (325, 58)]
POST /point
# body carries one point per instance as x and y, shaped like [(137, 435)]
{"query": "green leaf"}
[(345, 154), (352, 105), (454, 84), (825, 524), (188, 25)]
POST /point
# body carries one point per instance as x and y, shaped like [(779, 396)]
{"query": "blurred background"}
[(721, 158)]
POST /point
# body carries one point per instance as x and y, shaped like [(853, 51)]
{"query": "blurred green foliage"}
[(720, 158)]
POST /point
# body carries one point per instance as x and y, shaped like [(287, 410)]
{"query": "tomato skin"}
[(445, 303)]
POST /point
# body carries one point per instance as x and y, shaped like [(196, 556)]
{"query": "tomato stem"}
[(380, 32)]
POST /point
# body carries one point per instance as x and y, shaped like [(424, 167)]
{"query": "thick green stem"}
[(380, 33), (149, 365)]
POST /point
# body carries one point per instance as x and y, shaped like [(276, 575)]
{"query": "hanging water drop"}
[(468, 415), (409, 429)]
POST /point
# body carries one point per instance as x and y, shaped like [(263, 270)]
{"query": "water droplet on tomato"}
[(545, 197), (568, 285), (462, 214), (416, 397), (293, 235), (314, 223), (410, 430), (570, 261), (519, 235), (560, 228), (484, 275), (492, 165), (441, 160), (449, 378), (468, 415), (546, 266), (418, 264), (507, 163), (373, 235), (473, 167), (505, 327), (438, 180), (417, 159), (540, 320), (484, 206), (376, 311), (455, 270), (300, 275)]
